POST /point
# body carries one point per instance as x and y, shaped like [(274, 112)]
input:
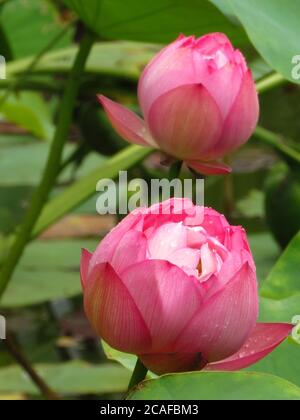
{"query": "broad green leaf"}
[(30, 25), (216, 386), (120, 58), (153, 21), (260, 68), (125, 359), (30, 111), (81, 190), (265, 252), (273, 28), (283, 310), (283, 361), (224, 6), (67, 378), (23, 164), (12, 208), (283, 280), (48, 270)]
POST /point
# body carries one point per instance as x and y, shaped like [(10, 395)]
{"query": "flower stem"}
[(276, 142), (53, 163), (138, 375), (174, 170), (269, 82), (21, 359)]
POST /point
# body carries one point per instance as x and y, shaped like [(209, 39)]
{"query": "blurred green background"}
[(39, 40)]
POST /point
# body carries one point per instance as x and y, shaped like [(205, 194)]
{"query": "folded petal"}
[(264, 339), (166, 297), (107, 247), (113, 313), (216, 81), (241, 120), (84, 266), (131, 249), (167, 239), (185, 121), (225, 320), (126, 123), (209, 168), (171, 68)]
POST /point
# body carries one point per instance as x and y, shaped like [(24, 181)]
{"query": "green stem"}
[(174, 170), (53, 163), (84, 188), (138, 375), (45, 86), (14, 84), (275, 141), (269, 82)]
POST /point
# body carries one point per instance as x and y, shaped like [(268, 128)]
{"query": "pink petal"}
[(241, 120), (126, 123), (208, 260), (225, 320), (113, 313), (84, 266), (185, 122), (187, 259), (223, 84), (170, 68), (166, 297), (215, 224), (107, 247), (210, 43), (167, 239), (131, 249), (209, 168), (264, 339), (174, 210)]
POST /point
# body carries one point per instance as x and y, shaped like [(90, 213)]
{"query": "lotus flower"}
[(198, 100), (175, 284)]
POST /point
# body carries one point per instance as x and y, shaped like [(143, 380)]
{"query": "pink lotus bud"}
[(176, 285), (199, 103)]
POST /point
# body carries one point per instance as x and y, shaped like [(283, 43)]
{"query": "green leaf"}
[(12, 208), (67, 378), (29, 111), (216, 386), (274, 30), (22, 163), (81, 190), (151, 21), (47, 271), (31, 25), (283, 310), (125, 359), (265, 252), (283, 280), (283, 361), (120, 58)]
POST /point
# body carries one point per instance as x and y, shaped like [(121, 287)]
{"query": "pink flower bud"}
[(176, 285), (199, 103)]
